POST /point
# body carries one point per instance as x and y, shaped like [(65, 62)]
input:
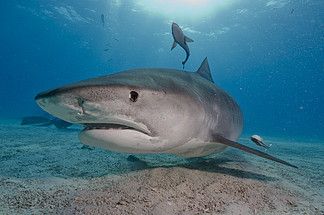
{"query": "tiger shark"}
[(152, 111), (181, 39)]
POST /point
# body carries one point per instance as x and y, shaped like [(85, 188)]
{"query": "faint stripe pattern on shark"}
[(152, 111)]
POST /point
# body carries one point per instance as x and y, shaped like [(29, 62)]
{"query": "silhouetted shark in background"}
[(45, 121), (181, 39)]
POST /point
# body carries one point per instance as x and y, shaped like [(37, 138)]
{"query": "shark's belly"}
[(135, 142), (197, 148), (129, 141)]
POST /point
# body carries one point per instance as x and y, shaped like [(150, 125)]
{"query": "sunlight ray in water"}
[(185, 9)]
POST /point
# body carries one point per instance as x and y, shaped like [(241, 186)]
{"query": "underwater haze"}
[(268, 55)]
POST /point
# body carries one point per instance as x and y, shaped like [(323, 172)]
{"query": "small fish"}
[(259, 141), (106, 50), (292, 11), (181, 39), (103, 20)]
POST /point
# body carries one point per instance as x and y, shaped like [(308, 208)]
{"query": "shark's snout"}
[(44, 98), (50, 93), (60, 103), (42, 95), (45, 94)]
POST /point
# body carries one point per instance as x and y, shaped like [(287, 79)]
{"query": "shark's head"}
[(132, 111)]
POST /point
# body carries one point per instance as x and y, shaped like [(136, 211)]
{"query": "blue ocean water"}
[(267, 54)]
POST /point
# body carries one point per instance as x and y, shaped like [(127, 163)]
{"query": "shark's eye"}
[(133, 95)]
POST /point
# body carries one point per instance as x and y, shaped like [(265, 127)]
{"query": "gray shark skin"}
[(152, 111), (181, 39)]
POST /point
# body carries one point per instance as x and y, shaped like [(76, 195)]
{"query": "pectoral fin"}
[(219, 139), (188, 40), (173, 45)]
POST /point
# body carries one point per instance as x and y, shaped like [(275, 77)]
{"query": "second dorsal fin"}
[(204, 70)]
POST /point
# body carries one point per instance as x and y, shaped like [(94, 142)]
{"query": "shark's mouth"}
[(114, 126)]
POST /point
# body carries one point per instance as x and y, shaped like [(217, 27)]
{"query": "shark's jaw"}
[(115, 125), (117, 133), (120, 138)]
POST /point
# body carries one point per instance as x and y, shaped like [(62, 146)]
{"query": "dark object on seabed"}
[(87, 147), (133, 158), (139, 164), (44, 121)]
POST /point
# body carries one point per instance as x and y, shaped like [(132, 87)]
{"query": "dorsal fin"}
[(204, 70)]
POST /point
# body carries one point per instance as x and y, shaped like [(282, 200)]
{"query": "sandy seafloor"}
[(48, 171)]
